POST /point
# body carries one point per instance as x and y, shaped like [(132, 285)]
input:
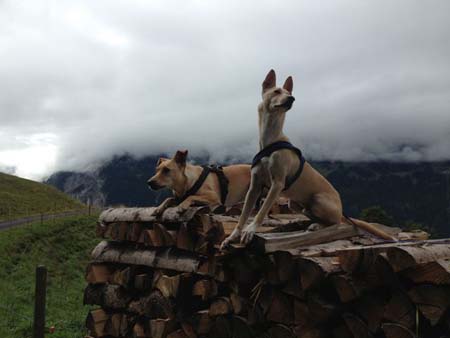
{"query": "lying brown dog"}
[(193, 183)]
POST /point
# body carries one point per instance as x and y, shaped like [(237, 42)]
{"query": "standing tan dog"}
[(180, 177), (311, 190)]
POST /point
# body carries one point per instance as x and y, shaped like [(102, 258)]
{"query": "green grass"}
[(63, 246), (20, 197)]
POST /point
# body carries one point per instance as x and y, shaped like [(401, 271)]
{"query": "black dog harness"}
[(207, 169), (271, 148)]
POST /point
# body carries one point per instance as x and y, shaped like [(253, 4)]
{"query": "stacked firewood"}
[(164, 276)]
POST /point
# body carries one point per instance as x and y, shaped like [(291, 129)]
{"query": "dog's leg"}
[(168, 202), (275, 189), (250, 200), (207, 200)]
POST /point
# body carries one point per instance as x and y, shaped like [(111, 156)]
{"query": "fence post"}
[(39, 305)]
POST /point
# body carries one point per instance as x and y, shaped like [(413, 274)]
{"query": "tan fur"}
[(179, 176), (319, 198)]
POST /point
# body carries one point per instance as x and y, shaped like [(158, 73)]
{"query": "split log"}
[(281, 309), (237, 302), (282, 241), (432, 301), (402, 258), (205, 289), (286, 266), (139, 331), (116, 325), (164, 236), (134, 232), (348, 288), (100, 229), (320, 310), (302, 315), (184, 239), (392, 330), (123, 277), (168, 285), (400, 310), (342, 331), (280, 331), (230, 327), (154, 305), (356, 326), (309, 332), (384, 274), (201, 322), (437, 272), (118, 231), (371, 308), (107, 296), (96, 321), (98, 273), (314, 270), (178, 334), (160, 328), (166, 259), (221, 306), (143, 281)]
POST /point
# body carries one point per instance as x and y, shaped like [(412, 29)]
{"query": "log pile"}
[(164, 276)]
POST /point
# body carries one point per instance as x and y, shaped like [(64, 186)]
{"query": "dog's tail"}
[(370, 228)]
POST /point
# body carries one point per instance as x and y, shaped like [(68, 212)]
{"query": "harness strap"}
[(271, 148), (223, 183)]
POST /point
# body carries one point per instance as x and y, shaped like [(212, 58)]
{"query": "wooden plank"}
[(290, 240)]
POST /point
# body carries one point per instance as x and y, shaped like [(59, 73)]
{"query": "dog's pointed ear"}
[(289, 84), (161, 160), (270, 81), (180, 157)]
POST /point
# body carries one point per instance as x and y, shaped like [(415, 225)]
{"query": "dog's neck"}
[(271, 128), (188, 179)]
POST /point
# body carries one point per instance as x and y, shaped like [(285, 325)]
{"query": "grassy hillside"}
[(64, 248), (20, 197)]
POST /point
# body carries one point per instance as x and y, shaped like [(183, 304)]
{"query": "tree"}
[(376, 214)]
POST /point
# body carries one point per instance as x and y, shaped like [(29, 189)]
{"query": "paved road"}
[(37, 218)]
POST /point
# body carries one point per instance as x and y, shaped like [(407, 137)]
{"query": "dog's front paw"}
[(248, 233), (234, 236), (159, 210)]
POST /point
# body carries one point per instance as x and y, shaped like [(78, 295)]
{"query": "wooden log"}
[(166, 259), (437, 272), (119, 231), (402, 258), (165, 238), (98, 273), (168, 285), (161, 327), (178, 334), (384, 273), (280, 331), (201, 322), (392, 330), (281, 309), (185, 239), (154, 306), (116, 325), (310, 332), (356, 326), (286, 266), (371, 307), (341, 331), (170, 215), (139, 331), (347, 287), (107, 296), (134, 231), (320, 310), (205, 289), (272, 242), (143, 281), (432, 301), (220, 307), (400, 310), (96, 321), (238, 303), (100, 230), (313, 270), (123, 277)]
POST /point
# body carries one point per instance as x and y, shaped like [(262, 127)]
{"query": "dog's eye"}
[(278, 91), (166, 170)]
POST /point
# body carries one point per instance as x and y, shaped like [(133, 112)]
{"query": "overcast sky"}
[(83, 80)]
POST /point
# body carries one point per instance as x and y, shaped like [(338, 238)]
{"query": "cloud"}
[(372, 79)]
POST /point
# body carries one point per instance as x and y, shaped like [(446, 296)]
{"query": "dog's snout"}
[(153, 185), (291, 99)]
